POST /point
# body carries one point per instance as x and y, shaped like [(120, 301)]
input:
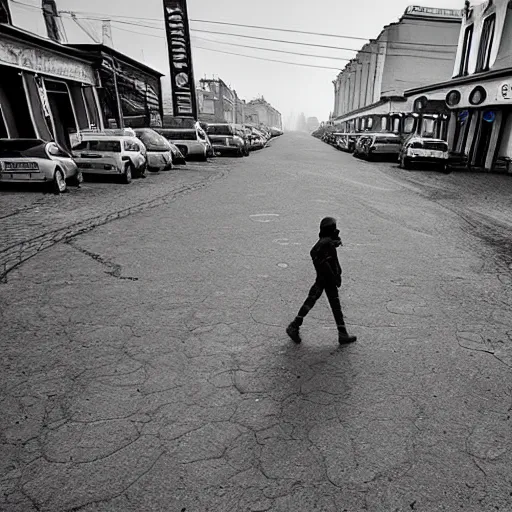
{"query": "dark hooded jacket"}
[(325, 260)]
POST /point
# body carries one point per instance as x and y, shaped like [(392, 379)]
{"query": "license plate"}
[(25, 166), (82, 165), (5, 176)]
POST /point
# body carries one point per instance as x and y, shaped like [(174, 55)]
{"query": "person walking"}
[(328, 279)]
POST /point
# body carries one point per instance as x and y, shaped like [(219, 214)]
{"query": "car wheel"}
[(59, 185), (127, 174), (143, 171), (406, 163), (204, 158), (77, 179), (240, 153)]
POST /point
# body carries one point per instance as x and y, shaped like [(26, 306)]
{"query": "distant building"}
[(266, 114), (217, 103), (418, 49), (479, 94), (312, 124)]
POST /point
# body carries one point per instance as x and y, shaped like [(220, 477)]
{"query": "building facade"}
[(47, 90), (127, 92), (479, 95), (260, 111), (420, 48), (217, 103), (130, 92)]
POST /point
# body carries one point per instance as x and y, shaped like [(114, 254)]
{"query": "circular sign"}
[(453, 98), (182, 80), (477, 96), (489, 116)]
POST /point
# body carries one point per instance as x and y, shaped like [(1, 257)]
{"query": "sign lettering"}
[(180, 59)]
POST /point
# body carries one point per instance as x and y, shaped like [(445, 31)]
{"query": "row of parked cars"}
[(126, 153), (413, 151)]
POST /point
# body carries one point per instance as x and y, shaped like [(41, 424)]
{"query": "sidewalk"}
[(481, 200), (31, 220)]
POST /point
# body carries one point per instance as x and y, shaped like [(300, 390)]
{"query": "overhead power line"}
[(230, 34), (262, 58), (100, 16), (272, 49)]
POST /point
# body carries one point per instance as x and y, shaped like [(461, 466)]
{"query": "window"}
[(428, 128), (179, 134), (409, 124), (384, 124), (220, 129), (396, 124), (107, 146), (466, 49), (129, 145), (486, 40)]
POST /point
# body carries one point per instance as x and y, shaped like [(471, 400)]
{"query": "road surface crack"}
[(114, 269)]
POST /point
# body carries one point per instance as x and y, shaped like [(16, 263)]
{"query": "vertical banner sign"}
[(180, 59), (5, 13)]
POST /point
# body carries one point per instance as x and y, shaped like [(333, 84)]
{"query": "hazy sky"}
[(288, 87)]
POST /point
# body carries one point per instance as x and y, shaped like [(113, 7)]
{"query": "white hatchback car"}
[(119, 155), (37, 161)]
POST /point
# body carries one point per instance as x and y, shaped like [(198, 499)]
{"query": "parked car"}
[(37, 161), (192, 142), (420, 150), (380, 145), (119, 155), (227, 139), (257, 138), (177, 155), (345, 141), (158, 150)]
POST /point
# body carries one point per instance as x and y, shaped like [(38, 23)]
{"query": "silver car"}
[(158, 150), (37, 161), (120, 155), (192, 142)]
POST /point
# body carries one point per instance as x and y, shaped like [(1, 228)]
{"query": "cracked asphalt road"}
[(145, 366)]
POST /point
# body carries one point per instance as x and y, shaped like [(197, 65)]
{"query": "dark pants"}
[(315, 293)]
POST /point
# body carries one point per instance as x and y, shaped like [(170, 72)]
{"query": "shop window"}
[(369, 123), (384, 124), (466, 49), (92, 106), (15, 108), (396, 125), (409, 124), (486, 40), (429, 128)]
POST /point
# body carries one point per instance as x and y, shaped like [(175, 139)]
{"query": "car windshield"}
[(106, 146), (220, 129), (22, 148), (180, 134), (152, 140), (385, 140)]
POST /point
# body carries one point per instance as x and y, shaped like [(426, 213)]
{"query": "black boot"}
[(344, 337), (293, 331)]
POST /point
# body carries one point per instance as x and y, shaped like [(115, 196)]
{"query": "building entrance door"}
[(483, 139), (63, 116)]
